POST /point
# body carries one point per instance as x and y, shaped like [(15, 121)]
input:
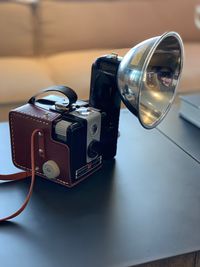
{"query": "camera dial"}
[(94, 149), (62, 105), (84, 111)]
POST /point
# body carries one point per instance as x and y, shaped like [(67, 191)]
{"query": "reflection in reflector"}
[(149, 114), (157, 96), (148, 76)]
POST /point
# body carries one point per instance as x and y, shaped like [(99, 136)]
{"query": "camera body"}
[(65, 140), (75, 136)]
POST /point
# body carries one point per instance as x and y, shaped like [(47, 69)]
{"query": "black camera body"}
[(91, 128), (104, 96), (87, 131)]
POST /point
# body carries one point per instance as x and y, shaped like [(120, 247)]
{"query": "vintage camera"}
[(74, 137)]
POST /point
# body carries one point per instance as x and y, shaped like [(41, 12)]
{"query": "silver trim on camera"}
[(88, 168), (61, 129), (93, 118)]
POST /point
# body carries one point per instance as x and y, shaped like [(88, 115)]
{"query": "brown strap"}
[(15, 176), (23, 175)]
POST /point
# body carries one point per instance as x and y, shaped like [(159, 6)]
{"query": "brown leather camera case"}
[(23, 121)]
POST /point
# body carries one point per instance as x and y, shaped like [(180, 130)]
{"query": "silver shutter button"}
[(51, 169)]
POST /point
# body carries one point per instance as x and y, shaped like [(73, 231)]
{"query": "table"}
[(142, 207)]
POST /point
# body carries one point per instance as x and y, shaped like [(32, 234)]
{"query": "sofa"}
[(46, 42)]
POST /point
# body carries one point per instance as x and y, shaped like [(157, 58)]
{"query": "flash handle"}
[(65, 90)]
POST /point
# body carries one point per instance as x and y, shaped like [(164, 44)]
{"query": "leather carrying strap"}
[(66, 91), (23, 175)]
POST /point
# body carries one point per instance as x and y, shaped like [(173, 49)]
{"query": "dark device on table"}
[(75, 136)]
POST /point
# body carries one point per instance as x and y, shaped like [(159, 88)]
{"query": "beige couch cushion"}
[(74, 25), (16, 29), (20, 78)]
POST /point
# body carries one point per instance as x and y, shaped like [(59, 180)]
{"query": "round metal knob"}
[(50, 169)]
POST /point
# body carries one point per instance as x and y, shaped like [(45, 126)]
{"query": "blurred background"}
[(47, 42)]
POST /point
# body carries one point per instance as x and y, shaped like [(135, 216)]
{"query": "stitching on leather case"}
[(25, 116), (35, 116)]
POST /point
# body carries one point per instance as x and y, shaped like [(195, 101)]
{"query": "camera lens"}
[(94, 149), (93, 129)]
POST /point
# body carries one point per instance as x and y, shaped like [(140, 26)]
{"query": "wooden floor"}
[(187, 260)]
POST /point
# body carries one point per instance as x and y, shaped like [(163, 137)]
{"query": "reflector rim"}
[(146, 63)]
